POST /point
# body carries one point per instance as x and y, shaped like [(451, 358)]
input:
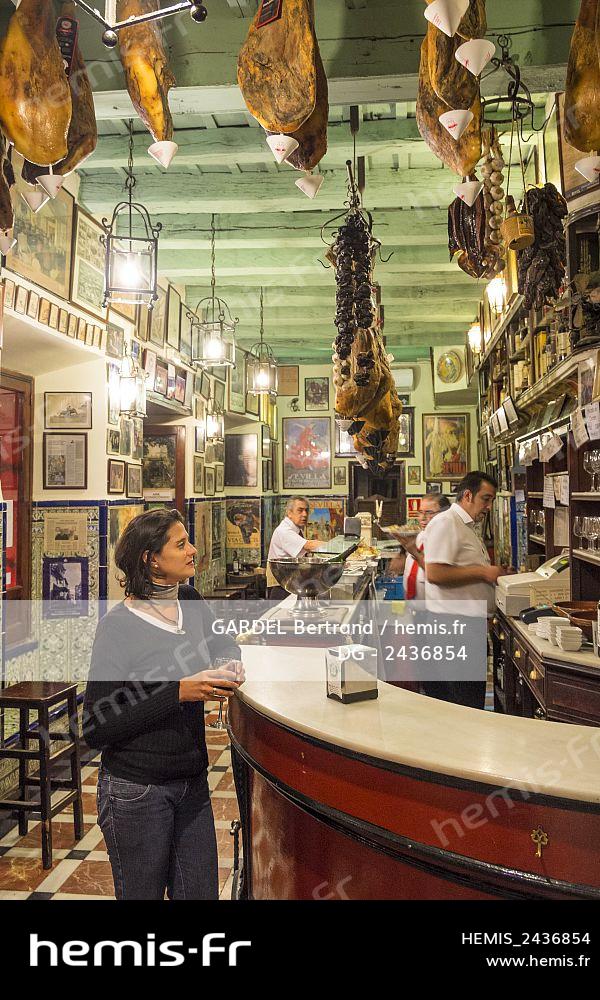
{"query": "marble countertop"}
[(548, 651), (287, 684)]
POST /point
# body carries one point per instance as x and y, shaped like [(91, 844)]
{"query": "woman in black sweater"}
[(144, 708)]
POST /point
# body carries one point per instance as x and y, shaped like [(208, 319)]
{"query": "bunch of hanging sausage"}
[(46, 104)]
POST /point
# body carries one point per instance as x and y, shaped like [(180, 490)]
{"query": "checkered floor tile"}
[(82, 870)]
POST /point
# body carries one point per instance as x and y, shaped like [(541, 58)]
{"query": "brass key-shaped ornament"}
[(540, 839)]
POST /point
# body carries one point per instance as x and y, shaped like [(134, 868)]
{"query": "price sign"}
[(578, 426), (270, 10), (66, 36), (592, 419)]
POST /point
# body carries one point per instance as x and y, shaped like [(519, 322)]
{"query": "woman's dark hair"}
[(147, 532)]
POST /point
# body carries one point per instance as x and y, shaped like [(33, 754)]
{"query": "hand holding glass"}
[(230, 670)]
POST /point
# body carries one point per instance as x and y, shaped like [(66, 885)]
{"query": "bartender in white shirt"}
[(288, 542), (459, 586)]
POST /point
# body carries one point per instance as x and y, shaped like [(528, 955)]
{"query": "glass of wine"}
[(578, 530), (220, 724), (595, 467), (587, 465)]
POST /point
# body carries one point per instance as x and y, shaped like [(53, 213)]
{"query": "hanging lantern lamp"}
[(213, 328), (261, 366), (215, 423), (132, 388), (131, 262)]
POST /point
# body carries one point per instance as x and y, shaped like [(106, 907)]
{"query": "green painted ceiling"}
[(268, 231)]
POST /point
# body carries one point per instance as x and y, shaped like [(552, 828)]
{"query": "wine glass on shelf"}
[(595, 465), (587, 465), (595, 532), (586, 530), (578, 529)]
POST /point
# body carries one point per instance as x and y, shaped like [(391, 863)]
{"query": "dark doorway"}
[(392, 487)]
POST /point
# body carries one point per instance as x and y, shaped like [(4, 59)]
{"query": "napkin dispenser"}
[(351, 673)]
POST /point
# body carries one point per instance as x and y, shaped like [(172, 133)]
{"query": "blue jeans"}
[(159, 837)]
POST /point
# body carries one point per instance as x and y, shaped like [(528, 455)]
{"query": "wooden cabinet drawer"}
[(574, 695)]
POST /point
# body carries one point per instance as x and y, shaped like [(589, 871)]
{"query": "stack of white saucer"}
[(547, 627), (569, 638)]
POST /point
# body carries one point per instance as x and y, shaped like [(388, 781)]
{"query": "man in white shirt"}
[(414, 567), (459, 587), (288, 542)]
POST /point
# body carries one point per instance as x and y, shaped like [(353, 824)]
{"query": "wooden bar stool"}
[(40, 696)]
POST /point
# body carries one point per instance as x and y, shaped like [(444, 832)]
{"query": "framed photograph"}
[(65, 586), (157, 318), (198, 474), (433, 487), (586, 371), (265, 477), (252, 404), (63, 321), (199, 408), (141, 324), (33, 305), (65, 411), (171, 379), (113, 380), (210, 453), (200, 438), (65, 461), (219, 395), (219, 478), (241, 460), (9, 294), (116, 476), (237, 384), (126, 436), (160, 461), (54, 314), (44, 312), (173, 317), (149, 361), (404, 398), (161, 379), (198, 382), (113, 441), (288, 380), (137, 446), (205, 386), (43, 252), (275, 464), (344, 444), (406, 437), (21, 300), (89, 334), (73, 323), (115, 341), (180, 381), (209, 482), (81, 327), (316, 393), (339, 475), (87, 278), (219, 449), (414, 475), (306, 453), (134, 481), (445, 446), (185, 341), (266, 441)]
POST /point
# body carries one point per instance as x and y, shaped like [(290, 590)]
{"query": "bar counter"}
[(405, 797)]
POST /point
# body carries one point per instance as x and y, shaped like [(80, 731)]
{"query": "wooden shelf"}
[(587, 555), (535, 495), (590, 497)]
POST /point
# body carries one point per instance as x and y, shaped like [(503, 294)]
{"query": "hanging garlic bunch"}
[(341, 369), (493, 196)]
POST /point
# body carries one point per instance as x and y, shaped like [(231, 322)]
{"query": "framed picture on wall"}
[(241, 460), (198, 475), (157, 318), (266, 441), (173, 317), (65, 586), (43, 252), (134, 481), (219, 395), (288, 380), (406, 436), (68, 411), (252, 404), (204, 387), (209, 482), (316, 393), (339, 475), (115, 476), (237, 384), (115, 341), (65, 461), (87, 278), (306, 453), (219, 478), (113, 441), (344, 444), (414, 475), (126, 428), (445, 446), (200, 438), (185, 340), (161, 379)]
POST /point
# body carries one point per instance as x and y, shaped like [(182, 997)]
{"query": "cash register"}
[(550, 582)]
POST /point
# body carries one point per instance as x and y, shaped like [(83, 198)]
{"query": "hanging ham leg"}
[(276, 68), (312, 135), (147, 73), (7, 179), (83, 132), (35, 100), (582, 96)]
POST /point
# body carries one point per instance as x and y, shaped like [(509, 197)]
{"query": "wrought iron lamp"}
[(132, 388), (215, 423), (131, 262), (475, 338), (261, 366), (213, 328)]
